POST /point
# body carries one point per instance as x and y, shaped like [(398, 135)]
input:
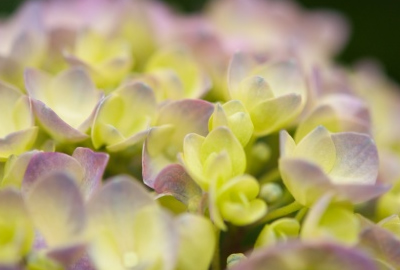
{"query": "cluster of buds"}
[(133, 137)]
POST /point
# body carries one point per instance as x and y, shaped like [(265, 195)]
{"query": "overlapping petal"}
[(64, 105), (114, 124), (272, 92), (129, 228), (194, 81), (345, 163), (175, 120), (17, 130)]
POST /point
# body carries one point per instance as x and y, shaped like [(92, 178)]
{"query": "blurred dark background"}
[(374, 27)]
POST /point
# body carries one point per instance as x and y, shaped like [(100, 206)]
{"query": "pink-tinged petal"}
[(173, 180), (177, 119), (338, 113), (93, 165), (356, 159), (113, 209), (43, 164), (239, 68), (83, 263), (10, 267), (305, 181), (68, 256), (118, 200), (57, 209), (17, 142), (381, 244), (153, 158), (273, 114), (188, 116), (54, 125), (292, 255), (317, 147), (286, 144), (359, 193)]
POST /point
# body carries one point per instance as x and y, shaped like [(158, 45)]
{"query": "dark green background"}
[(375, 27)]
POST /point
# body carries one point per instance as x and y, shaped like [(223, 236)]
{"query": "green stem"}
[(299, 216), (281, 212), (216, 259)]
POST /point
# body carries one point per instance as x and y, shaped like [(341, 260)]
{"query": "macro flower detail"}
[(337, 113), (217, 164), (273, 93), (107, 60), (343, 163), (59, 215), (234, 116), (115, 126), (17, 131), (165, 140), (85, 166), (135, 137), (217, 157), (64, 105)]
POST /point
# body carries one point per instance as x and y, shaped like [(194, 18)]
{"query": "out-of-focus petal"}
[(194, 81), (57, 209), (305, 181), (175, 120), (197, 242), (330, 222), (173, 180), (41, 165), (17, 230), (291, 255), (93, 165), (357, 159), (64, 105)]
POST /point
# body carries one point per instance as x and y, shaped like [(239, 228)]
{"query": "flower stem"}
[(280, 212), (216, 259), (300, 215)]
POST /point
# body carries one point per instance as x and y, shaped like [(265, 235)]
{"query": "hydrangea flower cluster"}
[(133, 137)]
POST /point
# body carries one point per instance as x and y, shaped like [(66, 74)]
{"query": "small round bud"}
[(270, 192), (234, 259)]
